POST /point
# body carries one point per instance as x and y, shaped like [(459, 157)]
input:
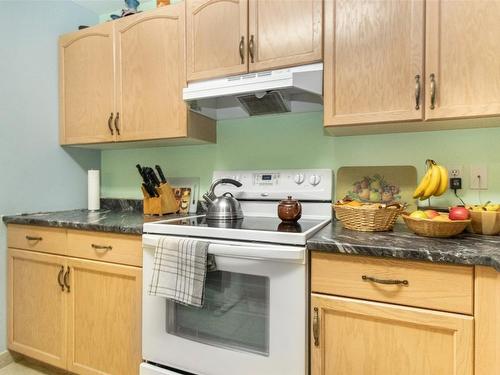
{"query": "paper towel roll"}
[(94, 190)]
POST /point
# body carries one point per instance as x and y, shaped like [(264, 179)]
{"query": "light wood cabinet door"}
[(356, 337), (487, 327), (151, 75), (284, 33), (87, 88), (216, 32), (463, 54), (37, 306), (373, 51), (104, 318)]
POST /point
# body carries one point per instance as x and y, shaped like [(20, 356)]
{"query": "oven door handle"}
[(285, 253)]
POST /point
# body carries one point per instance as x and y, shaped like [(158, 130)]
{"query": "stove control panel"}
[(304, 184)]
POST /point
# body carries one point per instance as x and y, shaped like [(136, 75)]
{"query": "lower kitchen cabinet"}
[(356, 337), (104, 318), (37, 306), (380, 316), (78, 314)]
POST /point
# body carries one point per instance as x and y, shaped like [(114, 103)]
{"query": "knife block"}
[(162, 205)]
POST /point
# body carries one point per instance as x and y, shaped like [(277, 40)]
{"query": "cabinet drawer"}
[(107, 247), (434, 286), (28, 237)]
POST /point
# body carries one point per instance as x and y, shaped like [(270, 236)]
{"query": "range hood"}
[(296, 89)]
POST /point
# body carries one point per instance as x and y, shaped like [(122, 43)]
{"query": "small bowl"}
[(484, 222), (435, 228)]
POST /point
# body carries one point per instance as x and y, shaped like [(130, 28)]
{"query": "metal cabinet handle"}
[(66, 280), (117, 122), (242, 49), (251, 48), (33, 238), (316, 327), (59, 278), (387, 282), (417, 92), (433, 90), (101, 247), (110, 120)]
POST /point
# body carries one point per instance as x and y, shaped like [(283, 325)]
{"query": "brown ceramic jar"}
[(289, 210)]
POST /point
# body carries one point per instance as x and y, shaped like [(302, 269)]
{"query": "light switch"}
[(478, 177)]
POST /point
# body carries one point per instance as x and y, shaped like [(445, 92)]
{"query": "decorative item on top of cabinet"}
[(284, 33), (216, 38), (86, 85), (375, 75), (462, 59)]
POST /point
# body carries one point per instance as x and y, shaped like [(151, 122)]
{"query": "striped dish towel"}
[(179, 270)]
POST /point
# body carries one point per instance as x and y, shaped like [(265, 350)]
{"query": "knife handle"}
[(160, 173)]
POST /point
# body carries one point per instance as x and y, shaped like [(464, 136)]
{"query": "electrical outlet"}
[(455, 171), (478, 177)]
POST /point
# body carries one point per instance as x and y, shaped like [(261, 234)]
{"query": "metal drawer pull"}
[(110, 120), (251, 49), (66, 280), (32, 238), (101, 247), (316, 327), (387, 282), (242, 49), (117, 122), (417, 92), (59, 278), (433, 90)]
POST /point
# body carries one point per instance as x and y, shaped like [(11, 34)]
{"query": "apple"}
[(418, 215), (459, 213), (375, 196), (431, 214)]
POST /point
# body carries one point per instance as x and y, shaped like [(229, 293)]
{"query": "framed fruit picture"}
[(384, 184)]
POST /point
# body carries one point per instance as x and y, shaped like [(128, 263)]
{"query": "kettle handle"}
[(210, 196)]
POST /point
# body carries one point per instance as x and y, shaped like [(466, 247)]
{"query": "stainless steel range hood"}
[(296, 89)]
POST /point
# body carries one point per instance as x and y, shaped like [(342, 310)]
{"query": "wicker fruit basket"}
[(368, 218), (435, 228), (485, 222)]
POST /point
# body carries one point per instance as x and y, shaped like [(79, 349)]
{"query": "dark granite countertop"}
[(468, 249), (117, 216)]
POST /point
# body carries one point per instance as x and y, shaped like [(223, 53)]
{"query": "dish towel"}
[(179, 270)]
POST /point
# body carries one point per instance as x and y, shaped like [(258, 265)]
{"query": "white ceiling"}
[(104, 6)]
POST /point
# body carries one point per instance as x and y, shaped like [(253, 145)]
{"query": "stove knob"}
[(299, 178), (314, 179)]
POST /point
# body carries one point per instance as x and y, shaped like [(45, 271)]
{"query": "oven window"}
[(235, 314)]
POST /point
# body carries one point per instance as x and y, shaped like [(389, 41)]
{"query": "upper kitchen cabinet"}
[(373, 61), (150, 75), (284, 33), (130, 72), (86, 78), (230, 37), (462, 59), (216, 38)]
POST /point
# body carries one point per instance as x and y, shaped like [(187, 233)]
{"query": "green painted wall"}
[(297, 141)]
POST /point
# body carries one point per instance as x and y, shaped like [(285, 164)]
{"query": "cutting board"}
[(384, 184)]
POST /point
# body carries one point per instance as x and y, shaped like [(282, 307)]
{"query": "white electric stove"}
[(254, 320)]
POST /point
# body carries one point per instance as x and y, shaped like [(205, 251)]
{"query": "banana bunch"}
[(435, 181)]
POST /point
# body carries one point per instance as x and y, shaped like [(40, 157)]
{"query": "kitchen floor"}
[(27, 368)]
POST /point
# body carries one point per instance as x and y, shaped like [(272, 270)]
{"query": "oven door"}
[(253, 320)]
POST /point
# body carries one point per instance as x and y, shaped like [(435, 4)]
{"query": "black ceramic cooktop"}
[(265, 224)]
